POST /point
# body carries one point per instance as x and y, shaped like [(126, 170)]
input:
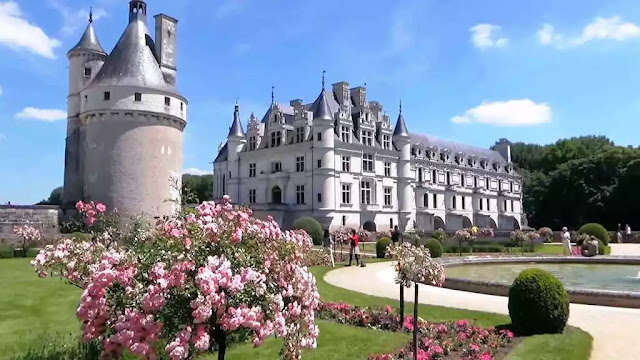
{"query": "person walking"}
[(627, 230), (566, 241), (396, 235), (327, 242), (355, 250)]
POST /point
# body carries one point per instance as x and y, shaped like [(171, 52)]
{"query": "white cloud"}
[(74, 18), (46, 115), (601, 28), (196, 171), (520, 112), (17, 33), (487, 35)]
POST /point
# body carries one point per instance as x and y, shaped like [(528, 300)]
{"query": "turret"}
[(402, 143), (323, 154), (236, 137)]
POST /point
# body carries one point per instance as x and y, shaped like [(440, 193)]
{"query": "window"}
[(345, 134), (386, 142), (425, 200), (276, 167), (462, 180), (505, 205), (346, 163), (488, 205), (319, 197), (511, 205), (434, 176), (435, 201), (419, 174), (346, 194), (481, 203), (137, 97), (387, 196), (252, 170), (367, 162), (87, 72), (344, 220), (299, 163), (319, 136), (319, 163), (475, 181), (390, 223), (463, 203), (252, 142), (107, 96), (299, 134), (181, 106), (299, 194), (448, 178), (167, 101), (511, 186), (276, 138), (387, 169), (276, 195), (365, 192), (367, 138), (252, 196), (453, 202)]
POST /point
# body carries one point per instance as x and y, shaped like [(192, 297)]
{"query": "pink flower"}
[(101, 208), (201, 339), (79, 206)]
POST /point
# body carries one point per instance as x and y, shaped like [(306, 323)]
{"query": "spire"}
[(89, 40), (320, 107), (273, 98), (401, 127), (236, 126)]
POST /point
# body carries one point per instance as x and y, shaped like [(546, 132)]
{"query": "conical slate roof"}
[(321, 109), (236, 126), (133, 62), (89, 41), (401, 127)]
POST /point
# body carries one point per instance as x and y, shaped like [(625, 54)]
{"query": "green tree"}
[(55, 198), (197, 188)]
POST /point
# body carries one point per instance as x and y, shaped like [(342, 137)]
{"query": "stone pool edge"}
[(579, 296)]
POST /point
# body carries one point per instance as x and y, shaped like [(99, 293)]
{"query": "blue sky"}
[(470, 71)]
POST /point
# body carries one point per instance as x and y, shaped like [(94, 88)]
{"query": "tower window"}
[(167, 101), (181, 106), (319, 197), (107, 96), (87, 72), (137, 97), (319, 136)]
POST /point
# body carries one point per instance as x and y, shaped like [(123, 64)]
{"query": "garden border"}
[(626, 299)]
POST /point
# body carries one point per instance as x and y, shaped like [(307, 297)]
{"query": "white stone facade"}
[(345, 165)]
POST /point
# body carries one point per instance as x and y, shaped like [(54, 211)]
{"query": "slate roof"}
[(89, 41)]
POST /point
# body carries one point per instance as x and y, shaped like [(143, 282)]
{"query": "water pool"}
[(574, 276)]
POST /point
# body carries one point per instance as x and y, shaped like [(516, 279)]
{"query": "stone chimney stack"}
[(166, 41), (503, 147)]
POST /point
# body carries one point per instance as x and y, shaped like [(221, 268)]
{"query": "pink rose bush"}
[(195, 283), (415, 265), (458, 340), (546, 233), (30, 236)]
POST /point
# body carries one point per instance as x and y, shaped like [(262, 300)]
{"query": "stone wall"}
[(44, 218)]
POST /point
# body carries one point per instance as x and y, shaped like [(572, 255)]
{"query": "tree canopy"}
[(579, 180), (197, 188)]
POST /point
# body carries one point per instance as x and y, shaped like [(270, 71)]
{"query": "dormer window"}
[(345, 134), (497, 166), (299, 134), (483, 164), (87, 72), (386, 142), (252, 143), (276, 138), (367, 138)]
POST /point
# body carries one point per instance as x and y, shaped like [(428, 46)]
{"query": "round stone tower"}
[(132, 118), (402, 141)]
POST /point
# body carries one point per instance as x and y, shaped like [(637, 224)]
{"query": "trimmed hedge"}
[(311, 226), (439, 235), (597, 230), (7, 252), (381, 247), (538, 303), (435, 248)]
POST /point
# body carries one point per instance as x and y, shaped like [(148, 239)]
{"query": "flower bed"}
[(451, 340)]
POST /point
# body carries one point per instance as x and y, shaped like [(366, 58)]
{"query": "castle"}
[(340, 160), (125, 119)]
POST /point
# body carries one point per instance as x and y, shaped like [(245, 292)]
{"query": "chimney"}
[(166, 40), (503, 147)]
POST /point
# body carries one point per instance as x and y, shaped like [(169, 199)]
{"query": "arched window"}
[(425, 200), (276, 195)]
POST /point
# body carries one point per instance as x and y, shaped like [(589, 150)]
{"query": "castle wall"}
[(123, 98), (43, 218)]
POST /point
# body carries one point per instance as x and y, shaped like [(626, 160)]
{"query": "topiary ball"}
[(597, 230), (311, 226), (538, 303), (435, 248), (381, 247), (439, 235)]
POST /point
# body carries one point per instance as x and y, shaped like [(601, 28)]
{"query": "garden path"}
[(625, 249), (614, 330)]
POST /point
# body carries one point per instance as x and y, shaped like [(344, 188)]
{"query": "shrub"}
[(369, 225), (546, 233), (435, 248), (381, 247), (489, 248), (311, 226), (456, 249), (538, 303), (596, 230), (439, 235)]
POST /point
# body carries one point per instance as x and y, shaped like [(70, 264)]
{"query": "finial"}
[(91, 15), (272, 95), (323, 72), (365, 84), (236, 101), (400, 106)]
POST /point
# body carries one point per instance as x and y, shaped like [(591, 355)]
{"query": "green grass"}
[(32, 309)]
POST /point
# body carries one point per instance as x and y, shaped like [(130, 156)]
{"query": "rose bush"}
[(415, 265), (195, 283), (30, 237)]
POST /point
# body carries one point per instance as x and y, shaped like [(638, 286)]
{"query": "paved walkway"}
[(625, 249), (615, 330)]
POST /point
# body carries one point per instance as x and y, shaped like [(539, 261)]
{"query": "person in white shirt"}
[(566, 241)]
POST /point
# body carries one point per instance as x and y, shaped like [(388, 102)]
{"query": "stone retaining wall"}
[(43, 217)]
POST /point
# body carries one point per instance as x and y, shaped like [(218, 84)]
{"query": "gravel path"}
[(615, 330), (625, 250)]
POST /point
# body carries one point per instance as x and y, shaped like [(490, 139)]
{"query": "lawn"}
[(33, 308)]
